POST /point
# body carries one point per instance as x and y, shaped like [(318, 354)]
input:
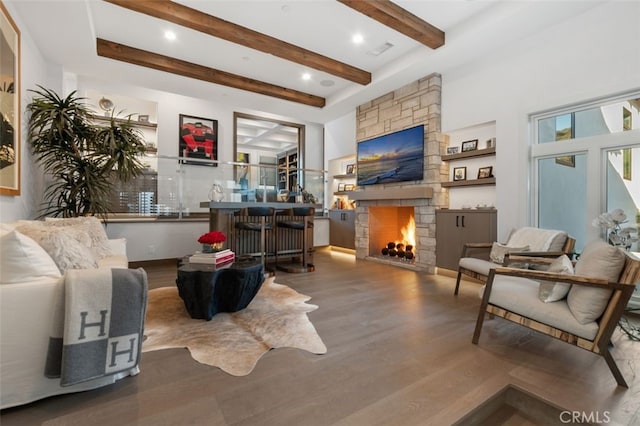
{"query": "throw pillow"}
[(550, 291), (67, 246), (598, 260), (23, 260), (498, 251), (91, 225)]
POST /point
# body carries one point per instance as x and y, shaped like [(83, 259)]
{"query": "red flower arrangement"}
[(213, 237)]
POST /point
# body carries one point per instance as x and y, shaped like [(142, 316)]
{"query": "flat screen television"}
[(396, 157)]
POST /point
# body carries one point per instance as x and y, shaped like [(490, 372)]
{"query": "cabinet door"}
[(454, 228), (448, 245), (342, 228)]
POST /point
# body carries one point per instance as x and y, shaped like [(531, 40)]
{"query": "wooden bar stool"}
[(251, 220), (299, 221)]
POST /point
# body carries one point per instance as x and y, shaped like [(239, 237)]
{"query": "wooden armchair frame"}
[(622, 291), (567, 249)]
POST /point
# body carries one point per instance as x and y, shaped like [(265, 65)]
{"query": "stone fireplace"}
[(382, 210)]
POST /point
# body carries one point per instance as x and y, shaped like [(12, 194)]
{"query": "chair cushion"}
[(520, 296), (498, 251), (479, 266), (550, 291), (598, 260), (538, 239)]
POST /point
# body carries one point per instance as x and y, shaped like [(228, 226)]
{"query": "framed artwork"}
[(143, 118), (9, 105), (471, 145), (459, 173), (453, 149), (198, 140), (350, 169), (349, 187), (485, 172), (341, 187), (566, 160)]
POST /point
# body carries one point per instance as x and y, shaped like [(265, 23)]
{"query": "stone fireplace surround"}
[(411, 105)]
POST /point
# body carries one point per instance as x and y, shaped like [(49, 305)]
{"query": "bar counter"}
[(218, 211)]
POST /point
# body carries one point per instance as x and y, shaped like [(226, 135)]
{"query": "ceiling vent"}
[(380, 49)]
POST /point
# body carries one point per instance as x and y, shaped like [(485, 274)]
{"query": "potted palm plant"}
[(83, 160)]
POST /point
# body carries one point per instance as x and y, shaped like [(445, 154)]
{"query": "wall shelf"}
[(469, 154), (345, 176), (472, 182), (134, 123)]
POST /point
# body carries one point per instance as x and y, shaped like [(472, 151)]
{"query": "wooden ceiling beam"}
[(401, 20), (132, 55), (211, 25)]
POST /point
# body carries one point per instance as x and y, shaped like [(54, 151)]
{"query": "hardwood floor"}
[(399, 353)]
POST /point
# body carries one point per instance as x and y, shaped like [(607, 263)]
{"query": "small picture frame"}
[(459, 173), (350, 169), (349, 187), (341, 187), (490, 143), (453, 149), (143, 118), (485, 172), (471, 145)]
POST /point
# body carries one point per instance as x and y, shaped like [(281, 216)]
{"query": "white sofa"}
[(31, 292)]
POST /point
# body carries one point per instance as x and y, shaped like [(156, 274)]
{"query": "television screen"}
[(395, 157)]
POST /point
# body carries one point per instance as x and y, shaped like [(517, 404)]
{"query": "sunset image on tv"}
[(395, 157)]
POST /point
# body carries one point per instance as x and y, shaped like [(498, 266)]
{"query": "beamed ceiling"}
[(383, 11), (252, 54)]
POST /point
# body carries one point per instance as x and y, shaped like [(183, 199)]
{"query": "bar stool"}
[(301, 228), (252, 220)]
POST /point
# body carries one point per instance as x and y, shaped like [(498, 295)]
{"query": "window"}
[(583, 160)]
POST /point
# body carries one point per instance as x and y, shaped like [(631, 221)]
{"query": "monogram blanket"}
[(99, 329)]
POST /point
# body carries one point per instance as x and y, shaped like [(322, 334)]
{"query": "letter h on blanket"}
[(103, 324)]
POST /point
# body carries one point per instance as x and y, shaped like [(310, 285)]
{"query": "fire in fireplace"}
[(392, 233)]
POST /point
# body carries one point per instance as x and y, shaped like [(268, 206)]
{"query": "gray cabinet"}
[(342, 228), (454, 228)]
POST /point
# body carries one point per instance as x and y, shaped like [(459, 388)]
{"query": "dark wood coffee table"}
[(207, 290)]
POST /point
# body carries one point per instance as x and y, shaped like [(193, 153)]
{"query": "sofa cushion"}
[(499, 251), (538, 239), (67, 246), (598, 260), (114, 261), (520, 295), (23, 260), (91, 225), (550, 291)]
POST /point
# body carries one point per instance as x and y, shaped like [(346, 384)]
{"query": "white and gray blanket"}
[(101, 332)]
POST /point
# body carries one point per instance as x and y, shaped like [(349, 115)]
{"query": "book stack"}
[(219, 259)]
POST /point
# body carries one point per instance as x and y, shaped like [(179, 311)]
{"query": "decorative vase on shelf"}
[(216, 193)]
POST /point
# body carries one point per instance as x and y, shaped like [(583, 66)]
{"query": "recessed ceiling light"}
[(169, 35), (357, 39), (306, 76)]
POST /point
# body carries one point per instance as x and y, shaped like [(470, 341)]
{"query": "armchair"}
[(525, 241), (605, 278)]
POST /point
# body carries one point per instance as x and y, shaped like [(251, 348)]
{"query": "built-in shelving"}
[(472, 182), (469, 154), (135, 123)]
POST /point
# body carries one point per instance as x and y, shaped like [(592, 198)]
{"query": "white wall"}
[(591, 55), (339, 140), (34, 70)]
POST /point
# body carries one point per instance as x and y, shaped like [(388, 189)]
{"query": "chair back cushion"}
[(538, 239), (550, 291), (598, 260)]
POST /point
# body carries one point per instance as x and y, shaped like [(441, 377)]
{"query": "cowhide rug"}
[(276, 318)]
